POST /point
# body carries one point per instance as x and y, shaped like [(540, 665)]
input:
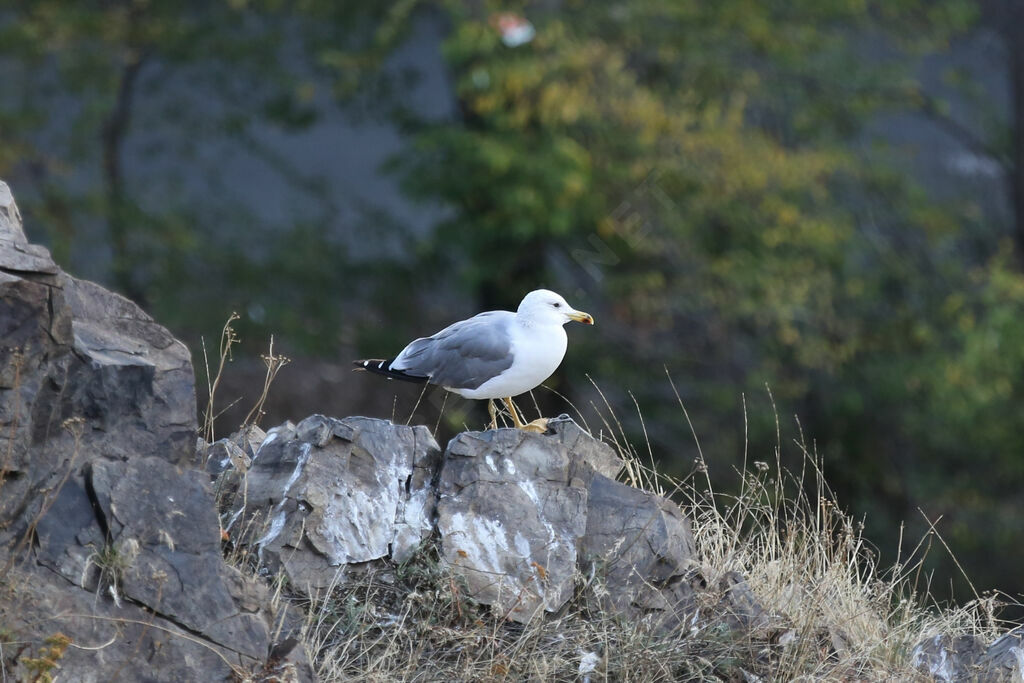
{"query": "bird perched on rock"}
[(496, 354)]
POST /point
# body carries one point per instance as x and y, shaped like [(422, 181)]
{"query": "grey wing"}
[(463, 355)]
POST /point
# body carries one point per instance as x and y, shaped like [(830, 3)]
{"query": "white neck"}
[(537, 320)]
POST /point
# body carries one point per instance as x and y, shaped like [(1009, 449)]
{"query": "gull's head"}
[(545, 306)]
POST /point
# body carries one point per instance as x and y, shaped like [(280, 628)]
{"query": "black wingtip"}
[(380, 366)]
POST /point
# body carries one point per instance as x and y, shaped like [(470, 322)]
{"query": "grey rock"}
[(232, 453), (742, 610), (70, 350), (327, 493), (590, 456), (136, 379), (948, 658), (317, 432), (249, 439), (124, 642), (512, 511), (642, 547), (166, 515), (520, 515), (69, 536), (225, 454), (10, 216), (1004, 658), (16, 254), (951, 658), (98, 434)]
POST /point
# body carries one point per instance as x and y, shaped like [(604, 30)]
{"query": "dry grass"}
[(415, 622), (228, 338), (831, 612)]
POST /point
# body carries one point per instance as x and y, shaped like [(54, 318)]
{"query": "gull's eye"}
[(557, 305)]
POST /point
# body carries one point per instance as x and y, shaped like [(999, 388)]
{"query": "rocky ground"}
[(345, 548)]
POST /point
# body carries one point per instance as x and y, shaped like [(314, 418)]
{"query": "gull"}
[(495, 354)]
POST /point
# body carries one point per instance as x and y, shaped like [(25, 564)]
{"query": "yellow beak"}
[(581, 317)]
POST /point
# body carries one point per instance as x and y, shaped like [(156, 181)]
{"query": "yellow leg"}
[(493, 412), (538, 426), (516, 420)]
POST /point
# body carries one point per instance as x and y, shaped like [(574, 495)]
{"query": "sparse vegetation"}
[(112, 561), (40, 669), (228, 338)]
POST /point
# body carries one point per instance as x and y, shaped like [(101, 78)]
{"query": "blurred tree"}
[(81, 70), (1008, 17), (87, 86), (699, 166)]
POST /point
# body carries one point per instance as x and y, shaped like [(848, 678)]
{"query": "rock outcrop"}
[(519, 516), (109, 539), (513, 508), (522, 515), (326, 494)]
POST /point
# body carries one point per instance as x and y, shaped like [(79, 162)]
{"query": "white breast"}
[(537, 351)]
